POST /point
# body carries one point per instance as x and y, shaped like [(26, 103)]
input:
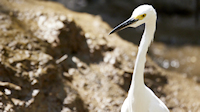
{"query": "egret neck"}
[(140, 98), (138, 73)]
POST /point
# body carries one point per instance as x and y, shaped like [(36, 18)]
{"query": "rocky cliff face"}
[(53, 59)]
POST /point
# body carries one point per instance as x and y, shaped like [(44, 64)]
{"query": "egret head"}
[(142, 14)]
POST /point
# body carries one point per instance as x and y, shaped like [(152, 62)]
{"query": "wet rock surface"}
[(178, 21), (183, 59), (53, 59), (176, 45)]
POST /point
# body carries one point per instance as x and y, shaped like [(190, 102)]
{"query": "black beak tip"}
[(111, 32), (123, 25), (114, 30)]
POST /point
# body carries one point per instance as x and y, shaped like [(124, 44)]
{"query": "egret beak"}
[(123, 25)]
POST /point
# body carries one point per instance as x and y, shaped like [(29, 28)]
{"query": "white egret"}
[(140, 98)]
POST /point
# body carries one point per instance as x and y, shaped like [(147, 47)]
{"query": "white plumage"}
[(140, 98)]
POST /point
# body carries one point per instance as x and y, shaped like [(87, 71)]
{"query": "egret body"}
[(140, 98)]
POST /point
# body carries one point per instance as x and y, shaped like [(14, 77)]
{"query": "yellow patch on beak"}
[(140, 17)]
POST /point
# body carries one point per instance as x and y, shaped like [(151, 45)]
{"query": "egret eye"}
[(140, 17), (143, 15)]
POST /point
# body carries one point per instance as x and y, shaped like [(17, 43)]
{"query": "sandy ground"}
[(53, 59)]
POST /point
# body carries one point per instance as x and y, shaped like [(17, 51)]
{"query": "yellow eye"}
[(140, 17), (143, 15)]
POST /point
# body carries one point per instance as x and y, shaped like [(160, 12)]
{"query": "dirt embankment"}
[(53, 59)]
